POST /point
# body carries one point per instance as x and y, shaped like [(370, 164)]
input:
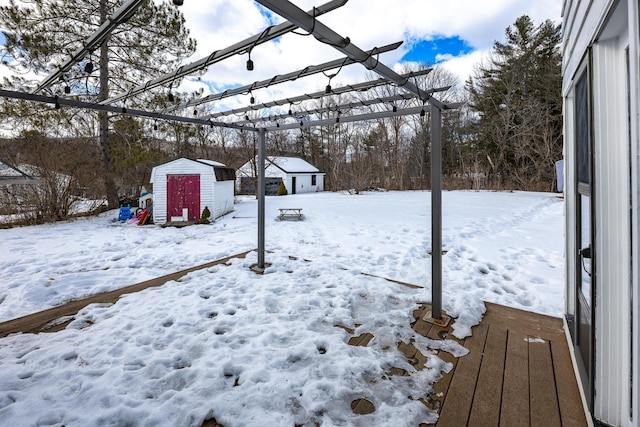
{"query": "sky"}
[(272, 349), (456, 33)]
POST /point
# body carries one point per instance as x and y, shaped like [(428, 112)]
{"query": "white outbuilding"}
[(601, 90), (182, 189), (298, 176)]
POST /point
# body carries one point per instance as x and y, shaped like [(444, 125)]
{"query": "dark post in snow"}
[(436, 213), (261, 190)]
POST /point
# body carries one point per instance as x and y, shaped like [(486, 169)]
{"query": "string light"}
[(249, 63)]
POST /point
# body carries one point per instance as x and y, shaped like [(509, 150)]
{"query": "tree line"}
[(507, 134)]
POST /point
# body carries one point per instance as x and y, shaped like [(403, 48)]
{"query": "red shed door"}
[(183, 191)]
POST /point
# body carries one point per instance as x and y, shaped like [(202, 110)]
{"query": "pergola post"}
[(436, 213), (261, 198)]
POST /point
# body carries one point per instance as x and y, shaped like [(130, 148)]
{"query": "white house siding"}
[(614, 192), (303, 183), (634, 93), (218, 196), (611, 188), (286, 168)]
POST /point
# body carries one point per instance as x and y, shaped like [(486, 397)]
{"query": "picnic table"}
[(291, 214)]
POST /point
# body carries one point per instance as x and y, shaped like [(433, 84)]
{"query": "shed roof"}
[(211, 163), (221, 171)]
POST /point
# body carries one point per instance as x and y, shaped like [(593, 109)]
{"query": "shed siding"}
[(223, 200)]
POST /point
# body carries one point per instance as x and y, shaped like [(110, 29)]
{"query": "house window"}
[(313, 180), (583, 130)]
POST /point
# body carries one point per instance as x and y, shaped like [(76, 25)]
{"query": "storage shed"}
[(183, 187), (601, 90), (298, 175)]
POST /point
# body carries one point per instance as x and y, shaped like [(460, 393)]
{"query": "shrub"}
[(206, 214), (282, 190)]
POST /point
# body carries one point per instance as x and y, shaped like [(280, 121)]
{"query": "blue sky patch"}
[(436, 50)]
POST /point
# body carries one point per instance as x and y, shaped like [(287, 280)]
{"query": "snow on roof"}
[(292, 164), (211, 162), (10, 171)]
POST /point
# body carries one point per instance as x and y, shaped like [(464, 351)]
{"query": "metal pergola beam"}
[(336, 108), (358, 87), (305, 72), (58, 102), (219, 55), (348, 119), (121, 15), (326, 35)]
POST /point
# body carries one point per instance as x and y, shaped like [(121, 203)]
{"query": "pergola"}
[(296, 18)]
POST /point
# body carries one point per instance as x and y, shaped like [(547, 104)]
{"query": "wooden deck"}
[(518, 373)]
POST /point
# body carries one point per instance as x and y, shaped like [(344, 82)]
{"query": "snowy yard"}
[(256, 350)]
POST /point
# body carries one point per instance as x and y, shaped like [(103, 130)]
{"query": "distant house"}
[(601, 91), (183, 187), (298, 176), (16, 175)]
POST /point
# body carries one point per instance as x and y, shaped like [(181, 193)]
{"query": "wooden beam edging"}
[(35, 322), (408, 285)]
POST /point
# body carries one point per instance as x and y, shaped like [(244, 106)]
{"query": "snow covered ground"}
[(255, 350)]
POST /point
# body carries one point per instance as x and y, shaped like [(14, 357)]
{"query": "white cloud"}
[(368, 23), (217, 24)]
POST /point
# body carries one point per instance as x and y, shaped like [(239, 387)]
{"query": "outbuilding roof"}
[(221, 171), (292, 164), (16, 174)]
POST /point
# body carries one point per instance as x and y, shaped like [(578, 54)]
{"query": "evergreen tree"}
[(43, 33), (517, 96)]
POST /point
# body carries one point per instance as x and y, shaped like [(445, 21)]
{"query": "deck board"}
[(542, 385), (515, 390), (486, 403), (459, 397), (570, 414)]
